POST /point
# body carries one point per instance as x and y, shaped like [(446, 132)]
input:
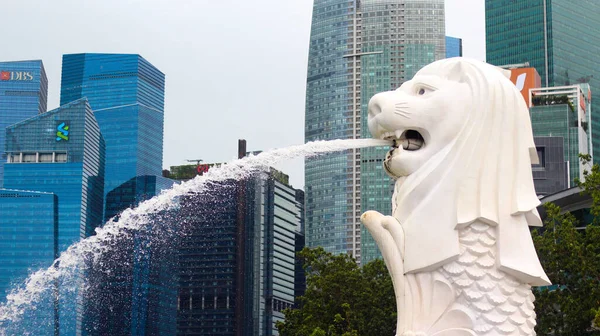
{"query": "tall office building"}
[(126, 93), (453, 47), (358, 48), (61, 152), (132, 289), (23, 94), (559, 38), (237, 256), (561, 117), (28, 241)]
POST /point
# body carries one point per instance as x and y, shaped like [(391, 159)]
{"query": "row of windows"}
[(52, 157)]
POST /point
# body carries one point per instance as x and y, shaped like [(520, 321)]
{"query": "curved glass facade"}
[(357, 49)]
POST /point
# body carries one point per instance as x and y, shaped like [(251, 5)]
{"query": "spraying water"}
[(70, 263)]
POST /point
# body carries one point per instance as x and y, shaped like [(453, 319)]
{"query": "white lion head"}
[(464, 148)]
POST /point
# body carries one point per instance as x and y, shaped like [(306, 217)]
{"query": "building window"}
[(14, 158), (541, 153), (61, 157), (45, 157), (29, 157)]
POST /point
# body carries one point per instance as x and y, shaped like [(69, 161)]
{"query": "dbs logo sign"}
[(16, 75), (525, 79)]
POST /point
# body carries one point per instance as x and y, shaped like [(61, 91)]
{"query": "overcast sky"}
[(234, 68)]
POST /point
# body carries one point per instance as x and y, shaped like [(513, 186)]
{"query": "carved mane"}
[(483, 174)]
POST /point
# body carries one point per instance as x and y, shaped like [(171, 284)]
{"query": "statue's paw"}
[(371, 217)]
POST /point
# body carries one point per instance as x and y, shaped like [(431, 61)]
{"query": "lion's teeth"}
[(412, 144), (398, 134)]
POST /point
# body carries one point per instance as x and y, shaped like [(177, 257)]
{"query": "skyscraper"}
[(126, 93), (132, 288), (358, 48), (453, 47), (28, 241), (558, 37), (61, 152), (23, 94), (560, 117), (237, 256)]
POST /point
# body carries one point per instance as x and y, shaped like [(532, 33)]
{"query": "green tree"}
[(571, 258), (342, 299)]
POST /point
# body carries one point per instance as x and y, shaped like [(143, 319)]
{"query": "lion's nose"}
[(376, 104)]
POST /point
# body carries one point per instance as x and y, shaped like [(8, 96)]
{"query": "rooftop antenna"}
[(196, 160)]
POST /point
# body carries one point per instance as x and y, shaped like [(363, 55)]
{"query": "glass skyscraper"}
[(237, 257), (134, 291), (126, 93), (23, 94), (559, 38), (453, 47), (357, 49), (28, 242), (61, 152)]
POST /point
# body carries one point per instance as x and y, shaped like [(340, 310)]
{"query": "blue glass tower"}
[(134, 291), (28, 241), (126, 93), (23, 94), (61, 152), (453, 47)]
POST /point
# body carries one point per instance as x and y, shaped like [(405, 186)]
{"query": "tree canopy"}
[(341, 298), (570, 255)]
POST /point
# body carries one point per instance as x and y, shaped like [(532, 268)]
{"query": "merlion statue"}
[(457, 245)]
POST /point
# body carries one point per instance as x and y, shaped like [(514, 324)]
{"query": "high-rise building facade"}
[(561, 119), (357, 49), (23, 94), (132, 288), (237, 256), (453, 47), (61, 152), (559, 38), (126, 93), (28, 241)]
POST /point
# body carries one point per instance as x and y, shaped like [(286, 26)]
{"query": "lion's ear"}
[(456, 73)]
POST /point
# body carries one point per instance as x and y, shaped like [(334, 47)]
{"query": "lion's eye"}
[(421, 91)]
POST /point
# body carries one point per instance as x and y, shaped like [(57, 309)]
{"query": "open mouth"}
[(409, 140)]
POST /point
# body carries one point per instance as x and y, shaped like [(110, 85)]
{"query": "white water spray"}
[(73, 259)]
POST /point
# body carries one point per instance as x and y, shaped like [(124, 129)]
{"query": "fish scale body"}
[(498, 304)]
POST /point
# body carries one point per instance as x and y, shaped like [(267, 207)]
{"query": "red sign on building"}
[(5, 75), (525, 79)]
